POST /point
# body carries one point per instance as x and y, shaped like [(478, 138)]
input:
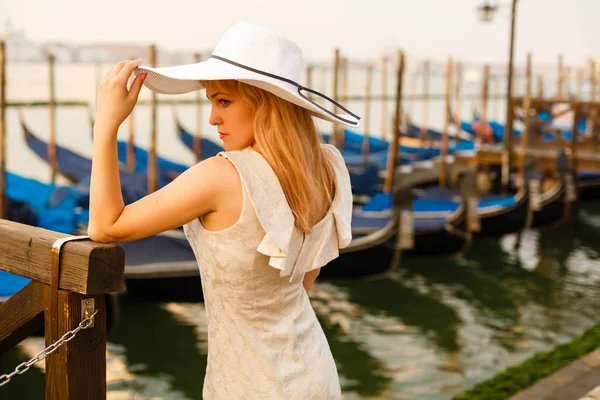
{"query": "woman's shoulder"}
[(216, 172), (331, 149), (338, 159), (335, 154), (217, 166)]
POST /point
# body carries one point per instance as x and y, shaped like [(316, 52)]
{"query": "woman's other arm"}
[(309, 279)]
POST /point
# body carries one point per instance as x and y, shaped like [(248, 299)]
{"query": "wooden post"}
[(344, 100), (508, 140), (2, 129), (593, 114), (525, 135), (509, 93), (540, 87), (384, 108), (593, 80), (574, 137), (591, 126), (344, 96), (579, 95), (77, 370), (445, 139), (367, 117), (309, 79), (496, 97), (560, 78), (336, 97), (485, 84), (457, 105), (198, 133), (411, 96), (394, 145), (322, 83), (98, 78), (152, 164), (22, 315), (426, 68), (131, 140), (52, 110)]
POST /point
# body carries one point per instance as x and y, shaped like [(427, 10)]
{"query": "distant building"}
[(63, 53), (94, 54), (120, 51), (18, 47)]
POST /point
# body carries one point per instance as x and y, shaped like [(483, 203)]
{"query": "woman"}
[(262, 217)]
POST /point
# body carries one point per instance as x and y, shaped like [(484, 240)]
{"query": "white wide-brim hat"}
[(254, 55)]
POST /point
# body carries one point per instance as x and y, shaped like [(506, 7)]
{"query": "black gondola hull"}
[(507, 219), (555, 210), (438, 242), (374, 260), (182, 289)]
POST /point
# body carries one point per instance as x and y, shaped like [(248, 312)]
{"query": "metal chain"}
[(23, 367)]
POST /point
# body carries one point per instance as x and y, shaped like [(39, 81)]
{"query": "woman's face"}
[(232, 116)]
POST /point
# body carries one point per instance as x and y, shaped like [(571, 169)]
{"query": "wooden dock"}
[(578, 380), (68, 283), (583, 149)]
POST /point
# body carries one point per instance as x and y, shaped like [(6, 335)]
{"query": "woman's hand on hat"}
[(115, 101)]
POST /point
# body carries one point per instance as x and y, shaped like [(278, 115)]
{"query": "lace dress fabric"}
[(264, 339)]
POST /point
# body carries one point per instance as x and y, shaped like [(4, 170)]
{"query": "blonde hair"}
[(286, 136)]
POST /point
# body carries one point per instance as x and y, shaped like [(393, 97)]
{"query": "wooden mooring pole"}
[(131, 139), (560, 78), (445, 138), (393, 152), (485, 85), (152, 163), (457, 104), (52, 111), (336, 69), (367, 116), (593, 80), (309, 78), (341, 140), (525, 135), (198, 133), (2, 129), (426, 72), (540, 87), (384, 104), (496, 96), (580, 76)]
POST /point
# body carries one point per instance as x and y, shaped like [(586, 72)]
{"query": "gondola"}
[(77, 169)]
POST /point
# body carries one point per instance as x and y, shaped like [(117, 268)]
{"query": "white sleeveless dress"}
[(264, 339)]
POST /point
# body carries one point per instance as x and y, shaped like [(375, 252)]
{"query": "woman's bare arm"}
[(196, 192), (309, 279)]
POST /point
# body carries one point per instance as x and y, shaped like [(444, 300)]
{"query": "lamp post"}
[(486, 13)]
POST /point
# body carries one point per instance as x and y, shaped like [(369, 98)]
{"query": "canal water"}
[(431, 329)]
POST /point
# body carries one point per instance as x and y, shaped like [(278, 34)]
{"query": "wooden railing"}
[(88, 270), (583, 149)]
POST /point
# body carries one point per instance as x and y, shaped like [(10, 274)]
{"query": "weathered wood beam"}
[(22, 315), (86, 267), (77, 369)]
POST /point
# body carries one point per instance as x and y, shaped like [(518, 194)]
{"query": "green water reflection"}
[(429, 330)]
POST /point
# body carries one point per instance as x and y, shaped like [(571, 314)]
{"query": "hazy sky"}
[(362, 29)]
